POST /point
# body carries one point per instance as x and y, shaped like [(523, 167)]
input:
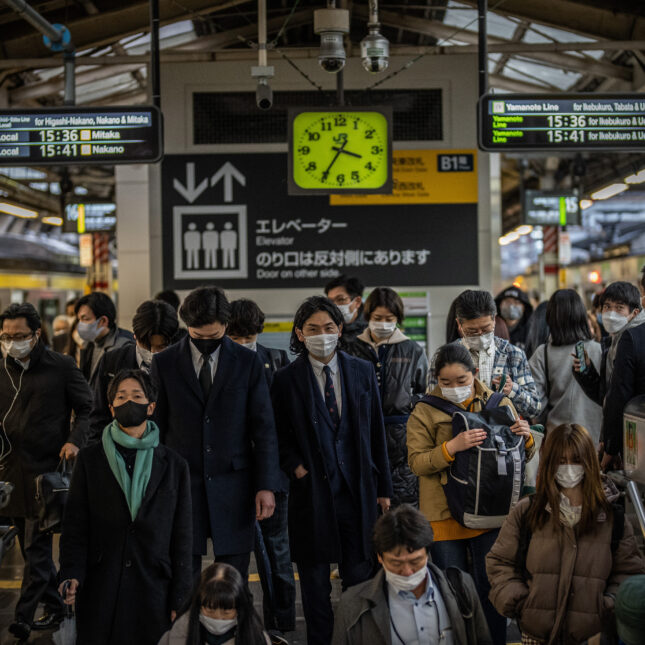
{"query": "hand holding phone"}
[(581, 355)]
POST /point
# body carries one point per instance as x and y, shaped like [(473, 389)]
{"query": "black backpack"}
[(484, 482), (524, 539)]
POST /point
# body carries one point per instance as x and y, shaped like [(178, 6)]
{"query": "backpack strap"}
[(617, 527), (455, 578), (440, 404), (494, 400)]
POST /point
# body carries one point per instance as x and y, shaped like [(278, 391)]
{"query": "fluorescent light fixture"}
[(525, 229), (637, 178), (609, 191), (513, 236), (53, 220), (585, 203), (503, 241), (18, 211)]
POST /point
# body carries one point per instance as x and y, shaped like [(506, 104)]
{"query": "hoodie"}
[(519, 332)]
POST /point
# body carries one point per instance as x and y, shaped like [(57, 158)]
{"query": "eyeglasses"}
[(5, 338), (342, 300), (478, 332)]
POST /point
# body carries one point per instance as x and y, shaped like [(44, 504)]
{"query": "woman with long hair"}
[(220, 612), (563, 552), (561, 396)]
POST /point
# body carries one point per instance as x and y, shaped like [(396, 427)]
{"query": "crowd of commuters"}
[(354, 452)]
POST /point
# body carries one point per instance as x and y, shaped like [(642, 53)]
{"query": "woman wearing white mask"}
[(220, 613), (402, 374), (431, 450), (562, 553)]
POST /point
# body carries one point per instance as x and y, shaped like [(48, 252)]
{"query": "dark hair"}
[(247, 318), (384, 297), (471, 304), (353, 286), (538, 330), (138, 375), (623, 293), (305, 311), (402, 526), (452, 329), (566, 317), (221, 587), (154, 317), (204, 306), (25, 310), (170, 297), (71, 302), (101, 305), (450, 354)]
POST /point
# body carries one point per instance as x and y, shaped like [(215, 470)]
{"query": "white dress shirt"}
[(322, 378), (198, 361), (485, 361)]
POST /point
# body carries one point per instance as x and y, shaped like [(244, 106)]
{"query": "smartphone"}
[(580, 355)]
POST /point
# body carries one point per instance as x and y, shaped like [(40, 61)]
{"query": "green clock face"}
[(340, 151)]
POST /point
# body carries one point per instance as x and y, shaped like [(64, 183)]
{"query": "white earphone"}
[(5, 443)]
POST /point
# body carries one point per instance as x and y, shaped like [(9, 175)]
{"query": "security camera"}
[(331, 25), (263, 91), (264, 95), (375, 51)]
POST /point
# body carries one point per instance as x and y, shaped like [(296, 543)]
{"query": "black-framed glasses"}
[(5, 338)]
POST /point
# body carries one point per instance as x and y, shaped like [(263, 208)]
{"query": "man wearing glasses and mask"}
[(39, 389), (501, 366)]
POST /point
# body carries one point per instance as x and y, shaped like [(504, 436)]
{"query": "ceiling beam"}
[(441, 31), (609, 22)]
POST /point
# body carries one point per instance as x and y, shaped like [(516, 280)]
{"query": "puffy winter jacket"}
[(402, 373)]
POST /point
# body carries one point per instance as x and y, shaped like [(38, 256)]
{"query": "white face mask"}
[(88, 331), (323, 345), (406, 583), (17, 348), (569, 475), (252, 346), (382, 329), (457, 394), (347, 312), (613, 322), (479, 343), (217, 626)]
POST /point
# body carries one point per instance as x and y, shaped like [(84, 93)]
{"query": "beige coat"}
[(571, 576), (428, 428)]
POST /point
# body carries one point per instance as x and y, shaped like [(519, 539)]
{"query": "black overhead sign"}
[(227, 219), (521, 122), (78, 135), (551, 207)]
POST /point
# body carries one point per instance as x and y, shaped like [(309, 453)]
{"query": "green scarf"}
[(134, 489)]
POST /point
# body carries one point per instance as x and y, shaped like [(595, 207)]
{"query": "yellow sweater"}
[(428, 432)]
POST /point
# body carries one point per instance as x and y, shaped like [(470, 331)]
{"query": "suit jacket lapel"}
[(224, 367), (350, 383), (187, 369), (156, 475)]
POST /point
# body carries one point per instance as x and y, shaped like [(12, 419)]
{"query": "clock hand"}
[(333, 161), (347, 152)]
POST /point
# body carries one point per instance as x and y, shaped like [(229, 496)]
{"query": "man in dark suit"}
[(332, 447), (627, 381), (272, 535), (154, 324), (97, 326), (214, 409)]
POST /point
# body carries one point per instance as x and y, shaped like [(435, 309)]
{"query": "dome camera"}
[(331, 25), (375, 51)]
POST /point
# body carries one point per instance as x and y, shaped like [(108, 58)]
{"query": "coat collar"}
[(397, 337), (157, 472)]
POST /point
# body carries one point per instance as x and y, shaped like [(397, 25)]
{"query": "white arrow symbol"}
[(190, 192), (229, 172)]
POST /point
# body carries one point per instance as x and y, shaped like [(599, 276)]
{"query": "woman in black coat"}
[(402, 374), (126, 544)]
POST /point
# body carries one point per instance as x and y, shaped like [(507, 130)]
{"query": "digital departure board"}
[(90, 217), (522, 122), (551, 207), (79, 135)]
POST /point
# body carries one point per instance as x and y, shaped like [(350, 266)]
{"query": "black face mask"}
[(206, 345), (131, 414)]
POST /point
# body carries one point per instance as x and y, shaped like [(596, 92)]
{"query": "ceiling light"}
[(637, 178), (609, 191), (585, 203), (53, 220), (18, 211), (525, 229), (513, 236), (503, 241)]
